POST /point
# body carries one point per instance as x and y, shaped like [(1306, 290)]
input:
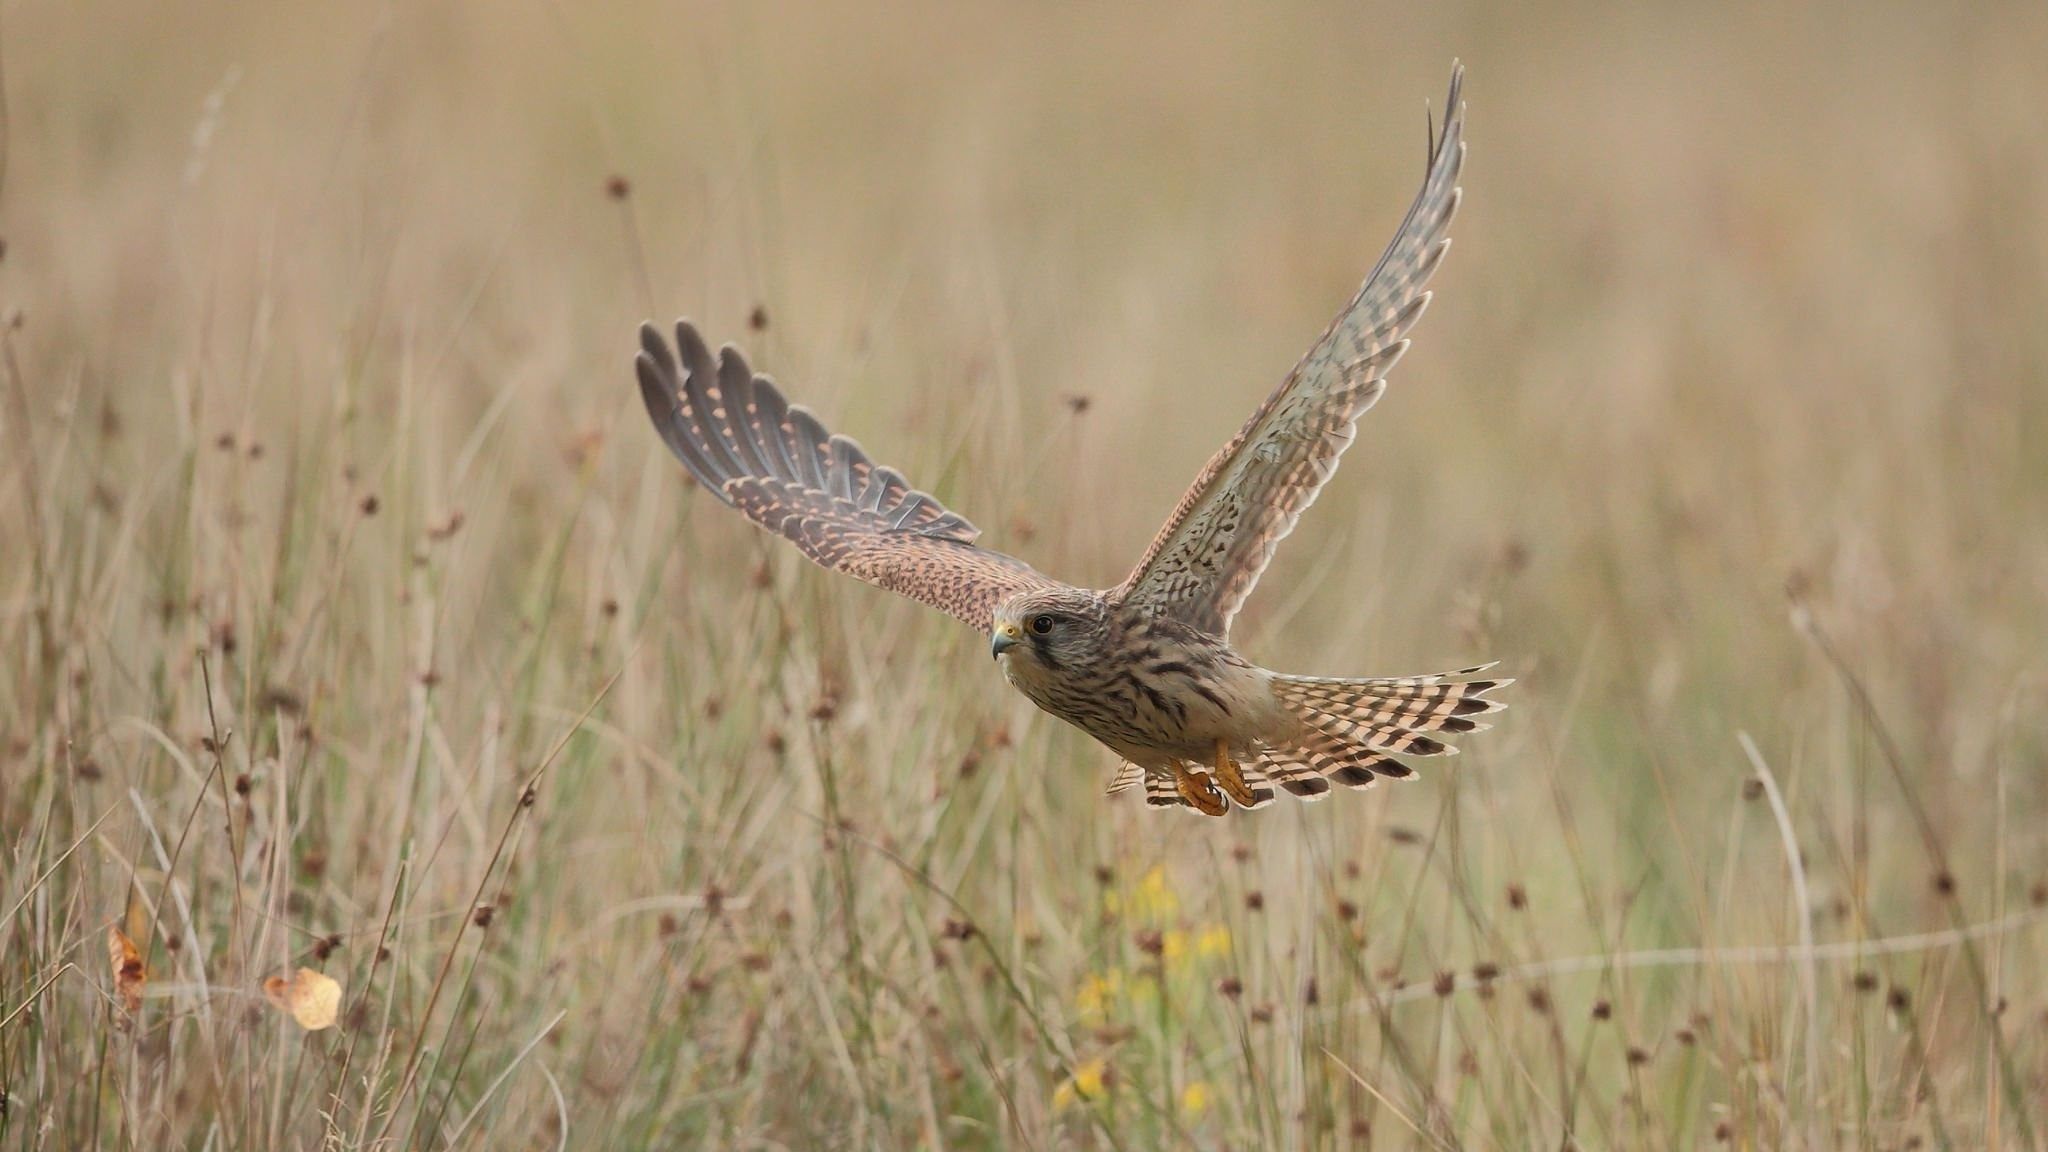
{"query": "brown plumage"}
[(1146, 667)]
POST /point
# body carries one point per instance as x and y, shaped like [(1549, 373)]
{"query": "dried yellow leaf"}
[(312, 998), (129, 972)]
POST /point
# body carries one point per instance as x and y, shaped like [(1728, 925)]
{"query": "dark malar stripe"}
[(1043, 650)]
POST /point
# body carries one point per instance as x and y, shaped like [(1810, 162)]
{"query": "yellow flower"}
[(1092, 999), (1212, 941), (1154, 898), (1194, 1099), (1173, 945), (1087, 1083)]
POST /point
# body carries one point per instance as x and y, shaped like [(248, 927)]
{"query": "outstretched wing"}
[(1204, 562), (776, 463)]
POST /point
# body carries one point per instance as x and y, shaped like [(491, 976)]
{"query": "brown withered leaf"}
[(313, 999), (129, 972)]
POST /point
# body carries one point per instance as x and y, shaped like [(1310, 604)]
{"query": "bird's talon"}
[(1232, 780), (1199, 790)]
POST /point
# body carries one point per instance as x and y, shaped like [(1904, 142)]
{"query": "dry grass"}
[(329, 523)]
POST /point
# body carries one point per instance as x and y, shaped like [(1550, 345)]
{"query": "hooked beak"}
[(1006, 637)]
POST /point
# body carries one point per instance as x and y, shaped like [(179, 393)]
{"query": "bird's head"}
[(1048, 629)]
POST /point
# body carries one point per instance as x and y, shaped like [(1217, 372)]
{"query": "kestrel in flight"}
[(1146, 667)]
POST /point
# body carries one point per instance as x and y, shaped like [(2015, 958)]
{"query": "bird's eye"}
[(1041, 624)]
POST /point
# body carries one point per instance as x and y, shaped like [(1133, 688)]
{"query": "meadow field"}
[(353, 619)]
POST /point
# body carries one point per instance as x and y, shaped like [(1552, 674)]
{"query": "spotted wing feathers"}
[(1212, 550), (777, 464)]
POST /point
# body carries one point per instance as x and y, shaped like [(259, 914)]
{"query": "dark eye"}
[(1041, 624)]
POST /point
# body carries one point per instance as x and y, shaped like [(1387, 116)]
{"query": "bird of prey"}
[(1146, 667)]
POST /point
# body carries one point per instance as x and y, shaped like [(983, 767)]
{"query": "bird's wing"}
[(776, 463), (1204, 562)]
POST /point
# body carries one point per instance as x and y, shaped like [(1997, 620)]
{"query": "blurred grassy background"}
[(329, 518)]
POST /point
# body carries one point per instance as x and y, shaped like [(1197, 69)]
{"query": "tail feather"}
[(1307, 768), (1350, 733), (1351, 728)]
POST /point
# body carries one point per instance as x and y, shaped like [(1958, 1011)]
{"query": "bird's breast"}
[(1162, 694)]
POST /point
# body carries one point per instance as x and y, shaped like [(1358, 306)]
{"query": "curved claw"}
[(1232, 779), (1199, 790)]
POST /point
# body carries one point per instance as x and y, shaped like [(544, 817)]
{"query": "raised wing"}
[(1204, 562), (776, 463)]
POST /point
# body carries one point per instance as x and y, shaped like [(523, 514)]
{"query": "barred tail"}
[(1352, 729)]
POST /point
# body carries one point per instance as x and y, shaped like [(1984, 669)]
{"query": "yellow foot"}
[(1232, 780), (1199, 791)]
